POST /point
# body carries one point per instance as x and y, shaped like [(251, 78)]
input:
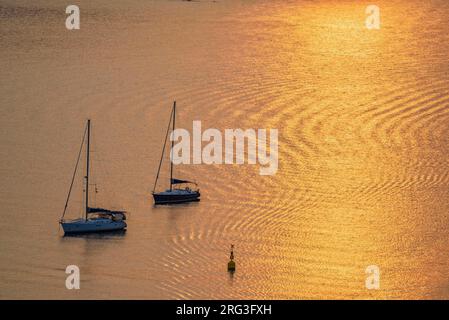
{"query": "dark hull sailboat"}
[(180, 191), (95, 219), (176, 196)]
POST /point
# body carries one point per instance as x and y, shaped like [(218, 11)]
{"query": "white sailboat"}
[(95, 219)]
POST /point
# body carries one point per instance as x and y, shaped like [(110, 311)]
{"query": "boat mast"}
[(172, 144), (87, 167)]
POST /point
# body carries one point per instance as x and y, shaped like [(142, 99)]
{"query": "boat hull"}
[(163, 198), (92, 226)]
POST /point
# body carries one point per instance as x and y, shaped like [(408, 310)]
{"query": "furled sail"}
[(179, 181)]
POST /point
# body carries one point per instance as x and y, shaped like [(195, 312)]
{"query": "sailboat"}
[(95, 219), (180, 190)]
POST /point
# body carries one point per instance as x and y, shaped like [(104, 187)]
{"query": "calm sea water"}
[(363, 119)]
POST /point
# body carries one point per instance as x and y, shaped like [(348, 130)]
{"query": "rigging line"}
[(163, 151), (74, 173)]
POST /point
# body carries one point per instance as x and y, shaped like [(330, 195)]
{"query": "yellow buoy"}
[(231, 263)]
